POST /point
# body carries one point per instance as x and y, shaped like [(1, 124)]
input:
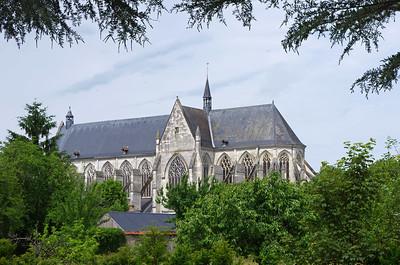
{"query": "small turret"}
[(69, 119), (207, 99)]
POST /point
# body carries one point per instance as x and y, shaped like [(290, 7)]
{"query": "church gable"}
[(177, 135)]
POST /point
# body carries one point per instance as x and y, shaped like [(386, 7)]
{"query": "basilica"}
[(146, 154)]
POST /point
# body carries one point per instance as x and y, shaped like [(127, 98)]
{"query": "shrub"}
[(109, 239)]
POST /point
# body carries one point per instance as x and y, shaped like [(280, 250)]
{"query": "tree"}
[(350, 200), (348, 22), (262, 218), (181, 197), (12, 208), (78, 202), (36, 125), (122, 21), (37, 176)]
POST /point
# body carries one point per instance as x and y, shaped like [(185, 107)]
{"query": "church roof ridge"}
[(120, 120), (243, 107)]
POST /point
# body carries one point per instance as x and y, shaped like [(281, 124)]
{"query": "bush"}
[(7, 248), (109, 239)]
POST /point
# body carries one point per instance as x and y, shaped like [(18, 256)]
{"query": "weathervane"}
[(207, 68)]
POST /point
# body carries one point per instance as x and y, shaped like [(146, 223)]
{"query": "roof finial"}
[(207, 68)]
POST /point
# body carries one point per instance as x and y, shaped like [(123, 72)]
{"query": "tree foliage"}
[(182, 196), (34, 177), (261, 218), (348, 23), (37, 125), (76, 201), (122, 21)]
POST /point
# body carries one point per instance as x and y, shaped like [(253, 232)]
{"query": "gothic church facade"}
[(146, 154)]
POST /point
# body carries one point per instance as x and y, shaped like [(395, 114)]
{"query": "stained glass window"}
[(176, 170)]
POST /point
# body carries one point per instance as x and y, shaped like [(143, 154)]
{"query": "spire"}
[(198, 135), (207, 99), (69, 119)]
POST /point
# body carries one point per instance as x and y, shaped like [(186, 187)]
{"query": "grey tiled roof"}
[(243, 127), (139, 222), (198, 117), (261, 125), (106, 138)]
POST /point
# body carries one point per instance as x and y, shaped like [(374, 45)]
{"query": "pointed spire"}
[(207, 99), (198, 135), (207, 93), (69, 119)]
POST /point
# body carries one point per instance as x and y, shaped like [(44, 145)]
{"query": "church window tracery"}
[(266, 164), (145, 171), (108, 170), (127, 171), (284, 165), (206, 165), (90, 173), (249, 168), (227, 169), (176, 170)]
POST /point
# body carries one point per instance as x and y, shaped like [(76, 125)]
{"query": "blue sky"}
[(247, 67)]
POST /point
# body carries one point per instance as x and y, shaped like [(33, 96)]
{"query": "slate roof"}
[(243, 127), (261, 125), (106, 138), (139, 222), (198, 117)]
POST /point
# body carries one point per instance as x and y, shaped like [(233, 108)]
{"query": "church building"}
[(146, 154)]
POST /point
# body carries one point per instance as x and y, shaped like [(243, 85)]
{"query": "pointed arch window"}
[(176, 170), (284, 166), (145, 171), (227, 169), (108, 171), (249, 168), (206, 165), (266, 164), (90, 173), (127, 171)]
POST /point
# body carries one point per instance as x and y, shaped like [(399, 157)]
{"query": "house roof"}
[(106, 138), (243, 127), (139, 222)]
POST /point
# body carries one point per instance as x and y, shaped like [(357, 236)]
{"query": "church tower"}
[(207, 99), (69, 119)]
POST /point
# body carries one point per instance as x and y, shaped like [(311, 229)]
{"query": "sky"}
[(246, 67)]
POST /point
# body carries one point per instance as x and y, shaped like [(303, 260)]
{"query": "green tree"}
[(72, 244), (261, 218), (182, 196), (76, 201), (152, 248), (344, 22), (342, 198), (122, 21), (112, 195), (12, 206), (37, 125), (38, 177)]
